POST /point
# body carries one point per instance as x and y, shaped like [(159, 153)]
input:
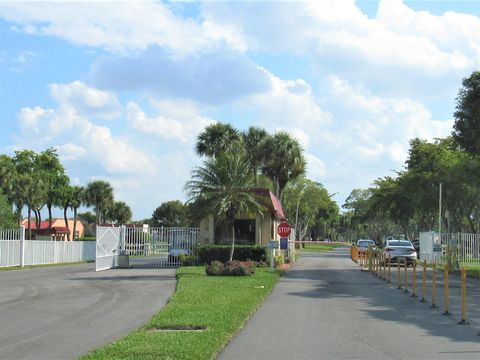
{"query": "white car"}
[(400, 250), (363, 244)]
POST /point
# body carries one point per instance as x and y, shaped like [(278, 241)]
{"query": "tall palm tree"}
[(216, 139), (77, 199), (120, 213), (221, 185), (99, 193), (283, 160), (253, 142)]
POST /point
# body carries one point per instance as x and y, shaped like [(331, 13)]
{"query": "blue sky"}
[(122, 89)]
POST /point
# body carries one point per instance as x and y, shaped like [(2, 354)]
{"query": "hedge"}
[(208, 253)]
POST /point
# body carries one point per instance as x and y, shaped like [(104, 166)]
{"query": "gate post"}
[(22, 245), (123, 230)]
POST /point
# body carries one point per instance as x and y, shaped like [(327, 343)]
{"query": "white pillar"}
[(22, 245)]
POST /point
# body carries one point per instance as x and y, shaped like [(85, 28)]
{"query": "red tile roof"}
[(271, 202)]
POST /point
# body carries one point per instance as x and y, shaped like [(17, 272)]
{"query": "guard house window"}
[(245, 231)]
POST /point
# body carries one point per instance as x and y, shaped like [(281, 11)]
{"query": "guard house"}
[(250, 228)]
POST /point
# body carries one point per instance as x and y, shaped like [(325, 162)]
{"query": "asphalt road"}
[(325, 307), (64, 312)]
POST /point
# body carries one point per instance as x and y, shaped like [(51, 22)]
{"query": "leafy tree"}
[(216, 139), (467, 115), (7, 218), (99, 194), (119, 212), (52, 172), (303, 201), (284, 161), (170, 214), (221, 185), (253, 142)]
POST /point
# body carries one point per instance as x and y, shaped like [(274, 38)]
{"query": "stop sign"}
[(284, 229)]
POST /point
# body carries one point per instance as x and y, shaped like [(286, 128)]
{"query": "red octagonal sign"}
[(284, 229)]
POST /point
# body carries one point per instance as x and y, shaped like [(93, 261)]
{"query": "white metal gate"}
[(107, 247), (145, 247)]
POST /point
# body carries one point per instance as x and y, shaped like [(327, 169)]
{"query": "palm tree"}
[(77, 199), (253, 143), (283, 160), (221, 185), (99, 193), (216, 139), (120, 213)]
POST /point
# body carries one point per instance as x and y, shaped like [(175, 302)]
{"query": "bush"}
[(216, 268), (278, 261), (186, 260), (230, 268), (208, 253), (86, 238)]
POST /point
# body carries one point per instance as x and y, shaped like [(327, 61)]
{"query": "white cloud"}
[(316, 168), (119, 27), (174, 120), (86, 100), (70, 151)]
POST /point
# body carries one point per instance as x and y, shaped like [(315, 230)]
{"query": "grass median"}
[(323, 247), (201, 317)]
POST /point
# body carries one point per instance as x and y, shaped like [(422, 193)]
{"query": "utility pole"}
[(440, 210)]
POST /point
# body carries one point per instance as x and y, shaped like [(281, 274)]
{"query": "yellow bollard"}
[(370, 258), (445, 291), (388, 281), (414, 278), (463, 276), (399, 278), (434, 285), (424, 281), (405, 264)]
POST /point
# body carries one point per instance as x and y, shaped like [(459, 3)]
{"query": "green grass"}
[(222, 304), (42, 265), (322, 247)]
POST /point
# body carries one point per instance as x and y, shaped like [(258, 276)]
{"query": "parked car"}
[(400, 250), (363, 244)]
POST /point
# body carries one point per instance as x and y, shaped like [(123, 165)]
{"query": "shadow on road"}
[(344, 279)]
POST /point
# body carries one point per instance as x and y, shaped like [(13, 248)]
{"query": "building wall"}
[(61, 223)]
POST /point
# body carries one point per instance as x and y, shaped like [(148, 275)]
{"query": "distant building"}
[(58, 231)]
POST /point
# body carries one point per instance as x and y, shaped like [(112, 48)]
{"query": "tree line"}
[(408, 202), (34, 181)]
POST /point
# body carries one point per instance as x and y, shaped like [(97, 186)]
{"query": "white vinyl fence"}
[(464, 249), (15, 250)]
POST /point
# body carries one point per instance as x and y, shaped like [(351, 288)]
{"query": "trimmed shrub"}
[(278, 261), (186, 260), (231, 268), (208, 253), (216, 268)]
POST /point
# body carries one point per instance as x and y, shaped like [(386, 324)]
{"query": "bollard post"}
[(384, 263), (414, 278), (388, 281), (445, 291), (424, 281), (463, 276), (399, 278), (370, 258), (405, 264), (434, 285)]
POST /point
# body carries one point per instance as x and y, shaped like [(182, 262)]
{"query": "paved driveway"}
[(63, 312), (326, 308)]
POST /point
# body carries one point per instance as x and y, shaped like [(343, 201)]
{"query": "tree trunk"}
[(29, 225), (66, 221), (97, 214), (74, 222), (232, 249), (49, 207), (37, 223)]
